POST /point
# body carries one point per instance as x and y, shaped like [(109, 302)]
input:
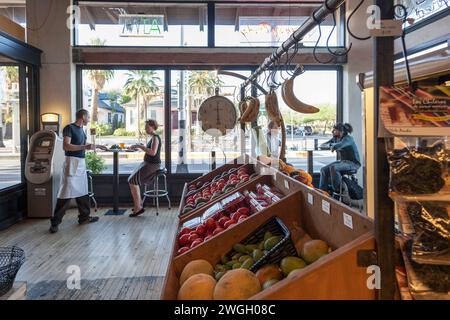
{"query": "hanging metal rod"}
[(328, 7)]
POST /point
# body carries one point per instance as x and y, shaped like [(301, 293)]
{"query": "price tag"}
[(387, 28), (310, 199), (286, 184), (348, 220), (326, 207)]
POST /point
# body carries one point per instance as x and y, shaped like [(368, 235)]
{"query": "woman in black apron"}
[(144, 173)]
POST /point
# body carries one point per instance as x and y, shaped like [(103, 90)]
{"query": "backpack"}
[(355, 191)]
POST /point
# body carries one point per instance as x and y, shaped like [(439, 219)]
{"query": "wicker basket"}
[(11, 259)]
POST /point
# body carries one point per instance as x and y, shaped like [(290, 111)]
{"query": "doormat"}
[(118, 212)]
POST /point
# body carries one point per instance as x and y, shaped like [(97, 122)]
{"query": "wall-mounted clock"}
[(217, 114)]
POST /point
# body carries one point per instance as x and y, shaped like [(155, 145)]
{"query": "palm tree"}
[(98, 79), (141, 85)]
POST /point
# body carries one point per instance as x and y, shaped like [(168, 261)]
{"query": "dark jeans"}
[(84, 209), (331, 174)]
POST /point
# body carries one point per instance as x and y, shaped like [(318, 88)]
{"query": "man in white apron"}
[(74, 183)]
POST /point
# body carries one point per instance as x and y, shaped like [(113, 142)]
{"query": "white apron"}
[(73, 179)]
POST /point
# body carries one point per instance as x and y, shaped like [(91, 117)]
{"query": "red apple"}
[(244, 211), (228, 223), (185, 230), (242, 218), (210, 224), (217, 231), (207, 237), (193, 237), (184, 240), (201, 230), (223, 220), (196, 243), (182, 250), (235, 216)]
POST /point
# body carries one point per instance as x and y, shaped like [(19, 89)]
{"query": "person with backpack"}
[(347, 155)]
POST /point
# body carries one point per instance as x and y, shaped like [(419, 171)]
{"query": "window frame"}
[(211, 9), (28, 60), (167, 93)]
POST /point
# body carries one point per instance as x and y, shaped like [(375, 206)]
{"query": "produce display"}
[(298, 174), (201, 193), (245, 257), (225, 214), (233, 279)]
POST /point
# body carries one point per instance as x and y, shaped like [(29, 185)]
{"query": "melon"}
[(314, 249), (197, 287), (196, 267), (238, 284)]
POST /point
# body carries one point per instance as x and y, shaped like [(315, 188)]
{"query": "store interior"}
[(227, 150)]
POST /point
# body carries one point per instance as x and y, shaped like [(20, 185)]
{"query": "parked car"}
[(303, 131)]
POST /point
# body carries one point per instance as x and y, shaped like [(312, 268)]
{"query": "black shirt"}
[(78, 137), (156, 158)]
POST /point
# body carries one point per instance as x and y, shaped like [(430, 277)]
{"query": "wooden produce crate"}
[(250, 185), (186, 192), (334, 276)]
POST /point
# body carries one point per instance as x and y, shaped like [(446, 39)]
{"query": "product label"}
[(192, 223), (286, 184), (326, 207), (310, 199), (348, 220), (423, 111)]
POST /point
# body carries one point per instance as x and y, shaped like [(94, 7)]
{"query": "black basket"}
[(282, 249), (11, 259)]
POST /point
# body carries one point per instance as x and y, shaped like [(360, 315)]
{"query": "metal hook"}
[(318, 40), (336, 53)]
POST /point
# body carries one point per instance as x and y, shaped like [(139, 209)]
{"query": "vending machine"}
[(43, 173)]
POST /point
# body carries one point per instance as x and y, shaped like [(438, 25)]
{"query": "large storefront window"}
[(267, 25), (189, 90), (142, 24), (9, 126), (121, 99), (119, 102)]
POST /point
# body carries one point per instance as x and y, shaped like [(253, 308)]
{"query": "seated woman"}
[(144, 173), (348, 157)]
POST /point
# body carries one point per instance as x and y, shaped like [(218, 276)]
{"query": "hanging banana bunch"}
[(287, 93), (273, 111), (249, 110)]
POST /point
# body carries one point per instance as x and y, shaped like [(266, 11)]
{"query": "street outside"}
[(198, 160)]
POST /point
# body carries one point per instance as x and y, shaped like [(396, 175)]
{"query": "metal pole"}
[(115, 181), (383, 61), (318, 16)]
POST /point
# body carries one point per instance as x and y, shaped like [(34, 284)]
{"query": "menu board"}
[(423, 111)]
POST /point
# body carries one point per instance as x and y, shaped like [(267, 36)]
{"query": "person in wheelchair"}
[(347, 154)]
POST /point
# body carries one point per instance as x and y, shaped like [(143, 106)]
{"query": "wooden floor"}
[(119, 257)]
